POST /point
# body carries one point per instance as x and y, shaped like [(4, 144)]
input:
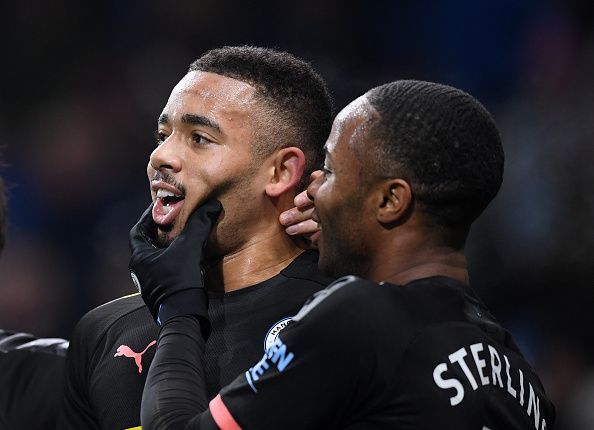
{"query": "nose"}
[(166, 157), (315, 180)]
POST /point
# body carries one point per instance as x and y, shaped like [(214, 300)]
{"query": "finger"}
[(200, 223), (314, 184), (295, 216), (144, 228), (302, 228), (314, 177), (303, 200), (212, 208)]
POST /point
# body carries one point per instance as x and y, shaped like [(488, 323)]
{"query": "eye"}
[(326, 171), (200, 139), (160, 137)]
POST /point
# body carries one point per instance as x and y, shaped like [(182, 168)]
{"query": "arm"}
[(307, 379), (171, 284), (174, 395)]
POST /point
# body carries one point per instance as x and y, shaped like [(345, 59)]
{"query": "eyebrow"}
[(192, 119), (189, 118)]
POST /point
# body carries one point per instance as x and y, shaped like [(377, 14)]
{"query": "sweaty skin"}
[(205, 133), (409, 250), (202, 135), (298, 219)]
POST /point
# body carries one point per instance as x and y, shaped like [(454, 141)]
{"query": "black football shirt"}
[(361, 355), (114, 344), (31, 373)]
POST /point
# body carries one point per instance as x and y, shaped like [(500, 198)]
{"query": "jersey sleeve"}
[(174, 395), (308, 378), (31, 372), (76, 411), (314, 375)]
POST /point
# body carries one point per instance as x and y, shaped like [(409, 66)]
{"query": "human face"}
[(203, 151), (341, 207)]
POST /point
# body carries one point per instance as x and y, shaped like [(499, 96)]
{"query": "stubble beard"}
[(166, 235)]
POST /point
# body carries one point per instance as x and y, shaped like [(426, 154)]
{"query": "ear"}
[(394, 200), (286, 170)]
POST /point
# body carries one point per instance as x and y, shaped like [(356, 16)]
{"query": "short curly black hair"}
[(292, 91), (443, 141)]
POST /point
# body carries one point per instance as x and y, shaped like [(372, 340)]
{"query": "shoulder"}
[(351, 311), (356, 311), (350, 295), (32, 378), (26, 342), (345, 289), (95, 323), (110, 312)]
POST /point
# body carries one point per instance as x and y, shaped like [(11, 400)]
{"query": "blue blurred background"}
[(82, 85)]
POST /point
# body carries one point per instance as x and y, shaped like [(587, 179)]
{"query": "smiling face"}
[(205, 133), (341, 202)]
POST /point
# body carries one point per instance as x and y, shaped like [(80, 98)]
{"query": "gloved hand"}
[(170, 279)]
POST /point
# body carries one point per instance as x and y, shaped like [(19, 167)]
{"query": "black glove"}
[(170, 279)]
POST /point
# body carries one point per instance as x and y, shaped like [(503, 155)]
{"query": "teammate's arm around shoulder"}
[(307, 379), (312, 376)]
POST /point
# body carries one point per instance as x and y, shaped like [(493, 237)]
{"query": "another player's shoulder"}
[(10, 341), (379, 309), (352, 315), (434, 298), (346, 290), (118, 311)]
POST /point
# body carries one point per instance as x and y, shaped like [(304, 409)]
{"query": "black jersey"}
[(114, 344), (31, 373), (361, 355)]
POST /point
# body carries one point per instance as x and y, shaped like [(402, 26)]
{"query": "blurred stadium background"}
[(82, 85)]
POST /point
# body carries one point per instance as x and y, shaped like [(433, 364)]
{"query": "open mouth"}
[(167, 206)]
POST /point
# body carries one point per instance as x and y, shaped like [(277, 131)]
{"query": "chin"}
[(165, 237), (329, 266), (340, 263), (163, 240)]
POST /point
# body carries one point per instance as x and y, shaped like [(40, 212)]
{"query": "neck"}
[(415, 258), (258, 260), (454, 268)]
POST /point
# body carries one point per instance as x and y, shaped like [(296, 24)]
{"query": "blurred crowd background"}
[(82, 85)]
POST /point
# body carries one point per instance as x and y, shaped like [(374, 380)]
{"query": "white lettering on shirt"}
[(458, 362)]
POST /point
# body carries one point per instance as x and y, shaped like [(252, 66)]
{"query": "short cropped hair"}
[(443, 142), (292, 92)]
